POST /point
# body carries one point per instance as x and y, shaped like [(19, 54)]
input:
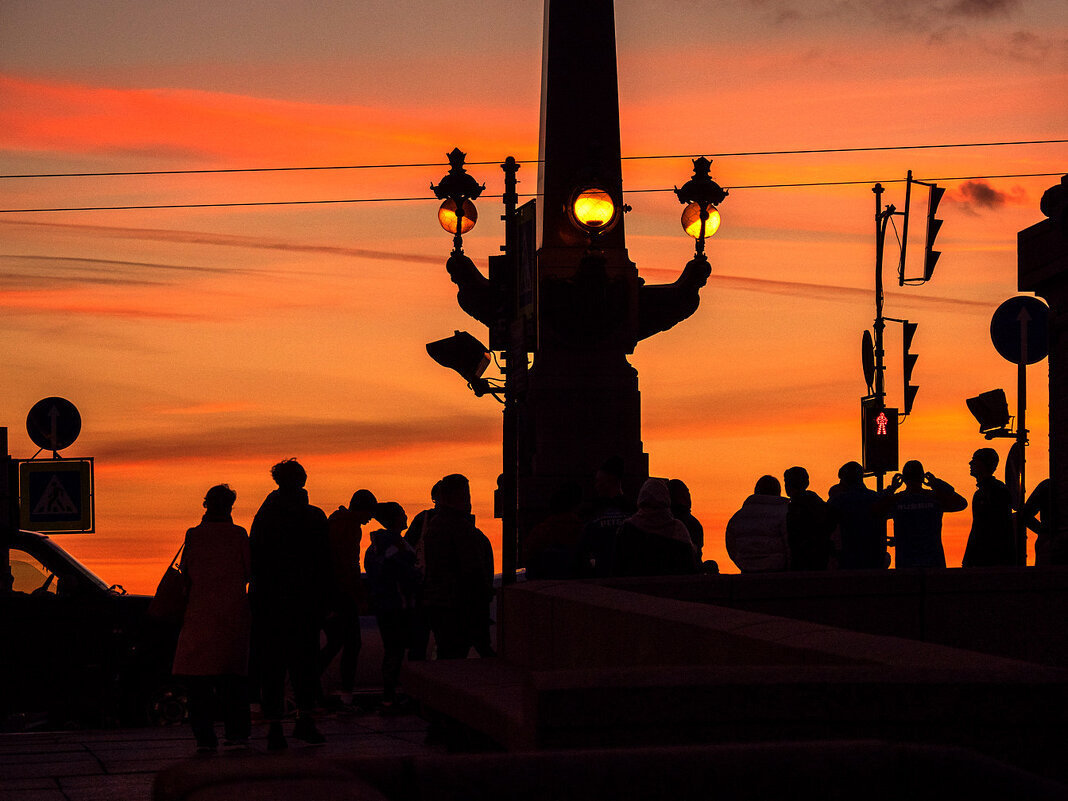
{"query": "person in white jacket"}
[(756, 533)]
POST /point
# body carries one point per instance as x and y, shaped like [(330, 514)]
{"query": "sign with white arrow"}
[(53, 424), (1019, 330)]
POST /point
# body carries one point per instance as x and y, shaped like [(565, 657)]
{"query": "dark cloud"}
[(900, 15), (982, 194), (218, 437), (979, 195), (47, 272), (983, 8), (230, 240), (1030, 47), (740, 407), (827, 291)]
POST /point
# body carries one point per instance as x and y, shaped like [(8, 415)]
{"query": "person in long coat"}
[(213, 645), (288, 591)]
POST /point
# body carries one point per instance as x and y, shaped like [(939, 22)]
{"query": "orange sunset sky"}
[(202, 345)]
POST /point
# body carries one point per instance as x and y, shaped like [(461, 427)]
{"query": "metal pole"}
[(8, 495), (515, 360), (1021, 441), (880, 324)]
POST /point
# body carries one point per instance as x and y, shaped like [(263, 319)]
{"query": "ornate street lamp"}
[(457, 190), (592, 210), (700, 218)]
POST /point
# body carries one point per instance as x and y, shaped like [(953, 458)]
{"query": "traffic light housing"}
[(934, 225), (930, 255), (908, 363), (878, 437)]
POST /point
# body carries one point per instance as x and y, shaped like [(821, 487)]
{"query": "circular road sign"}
[(867, 359), (53, 423), (1019, 330)]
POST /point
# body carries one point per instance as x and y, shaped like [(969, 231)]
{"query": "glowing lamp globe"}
[(691, 221), (593, 209), (450, 220)]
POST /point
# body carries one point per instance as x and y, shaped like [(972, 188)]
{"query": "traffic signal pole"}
[(880, 445), (882, 218)]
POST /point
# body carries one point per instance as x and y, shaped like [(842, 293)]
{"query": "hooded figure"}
[(652, 542)]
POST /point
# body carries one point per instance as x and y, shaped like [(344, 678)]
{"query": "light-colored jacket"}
[(756, 534), (215, 633)]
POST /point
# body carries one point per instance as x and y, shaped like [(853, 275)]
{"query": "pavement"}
[(121, 764)]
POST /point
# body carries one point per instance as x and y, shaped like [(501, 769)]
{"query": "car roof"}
[(25, 538)]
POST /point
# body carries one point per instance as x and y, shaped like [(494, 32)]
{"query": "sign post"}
[(55, 495), (1019, 331)]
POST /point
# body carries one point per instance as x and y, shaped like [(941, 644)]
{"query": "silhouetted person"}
[(213, 646), (609, 509), (483, 639), (1038, 515), (808, 529), (419, 625), (992, 539), (290, 566), (682, 509), (393, 578), (651, 542), (458, 572), (756, 534), (551, 549), (342, 622), (917, 515), (854, 508)]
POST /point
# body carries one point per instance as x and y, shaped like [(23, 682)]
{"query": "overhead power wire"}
[(857, 149), (427, 197), (425, 165), (879, 181)]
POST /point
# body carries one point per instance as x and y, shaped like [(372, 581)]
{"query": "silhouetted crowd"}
[(304, 580), (848, 530), (307, 576)]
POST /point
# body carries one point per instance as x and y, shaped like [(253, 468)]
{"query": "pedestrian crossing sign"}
[(56, 495)]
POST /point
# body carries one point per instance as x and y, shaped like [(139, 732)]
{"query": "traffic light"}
[(878, 437), (930, 256), (908, 331)]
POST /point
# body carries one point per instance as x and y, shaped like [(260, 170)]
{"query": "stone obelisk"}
[(582, 404)]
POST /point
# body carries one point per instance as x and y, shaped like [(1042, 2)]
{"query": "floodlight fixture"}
[(991, 411)]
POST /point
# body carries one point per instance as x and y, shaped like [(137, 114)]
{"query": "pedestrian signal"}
[(878, 438)]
